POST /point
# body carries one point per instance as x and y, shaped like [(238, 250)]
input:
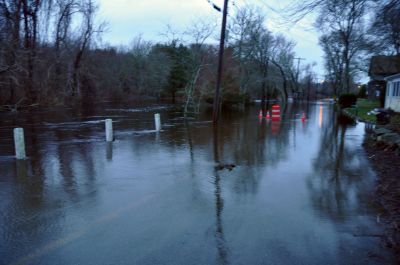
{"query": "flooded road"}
[(300, 192)]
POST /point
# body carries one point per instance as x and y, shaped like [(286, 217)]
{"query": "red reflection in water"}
[(275, 127), (320, 116)]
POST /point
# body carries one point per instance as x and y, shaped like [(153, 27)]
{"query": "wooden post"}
[(157, 121), (109, 130), (19, 143)]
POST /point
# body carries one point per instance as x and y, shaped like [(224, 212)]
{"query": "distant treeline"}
[(51, 54)]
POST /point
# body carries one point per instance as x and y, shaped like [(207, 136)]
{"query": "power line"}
[(214, 6), (280, 16), (270, 7)]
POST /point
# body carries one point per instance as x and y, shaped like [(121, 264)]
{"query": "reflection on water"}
[(109, 152), (320, 116), (219, 204), (299, 193)]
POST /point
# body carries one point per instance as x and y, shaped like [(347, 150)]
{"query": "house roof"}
[(384, 65), (392, 77)]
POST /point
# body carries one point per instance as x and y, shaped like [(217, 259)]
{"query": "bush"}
[(362, 93), (347, 100), (235, 98), (395, 121)]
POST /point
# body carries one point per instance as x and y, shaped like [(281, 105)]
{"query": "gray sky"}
[(129, 18)]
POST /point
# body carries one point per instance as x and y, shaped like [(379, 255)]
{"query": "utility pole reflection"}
[(219, 204)]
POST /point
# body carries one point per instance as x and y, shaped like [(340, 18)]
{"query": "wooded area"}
[(50, 55)]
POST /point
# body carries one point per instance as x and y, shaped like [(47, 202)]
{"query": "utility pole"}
[(298, 69), (216, 104)]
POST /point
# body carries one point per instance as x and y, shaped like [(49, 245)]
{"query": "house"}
[(392, 99), (380, 68)]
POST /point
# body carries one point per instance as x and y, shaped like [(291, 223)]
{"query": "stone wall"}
[(387, 137)]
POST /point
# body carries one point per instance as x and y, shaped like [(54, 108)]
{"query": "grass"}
[(363, 106)]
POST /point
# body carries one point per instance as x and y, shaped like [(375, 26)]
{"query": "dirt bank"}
[(386, 162)]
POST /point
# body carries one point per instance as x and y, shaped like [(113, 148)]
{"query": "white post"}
[(109, 130), (19, 143), (157, 121)]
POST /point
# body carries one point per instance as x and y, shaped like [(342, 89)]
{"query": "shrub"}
[(235, 98), (347, 100), (362, 93), (395, 121)]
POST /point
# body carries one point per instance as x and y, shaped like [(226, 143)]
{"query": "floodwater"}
[(301, 192)]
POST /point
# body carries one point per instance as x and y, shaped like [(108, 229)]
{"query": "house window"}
[(393, 85), (396, 89)]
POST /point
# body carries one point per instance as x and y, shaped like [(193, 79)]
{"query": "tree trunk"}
[(263, 98), (285, 93)]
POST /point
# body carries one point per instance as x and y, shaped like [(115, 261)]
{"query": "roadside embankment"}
[(383, 149), (382, 145)]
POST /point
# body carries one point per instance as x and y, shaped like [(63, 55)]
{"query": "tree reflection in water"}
[(340, 179)]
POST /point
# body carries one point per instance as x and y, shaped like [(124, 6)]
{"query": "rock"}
[(380, 131), (225, 166), (230, 166), (389, 138)]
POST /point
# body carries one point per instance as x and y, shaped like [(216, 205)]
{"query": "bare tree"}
[(65, 10), (247, 22), (344, 20), (333, 50), (198, 32), (30, 10), (386, 27), (263, 43), (10, 16), (282, 58), (88, 10)]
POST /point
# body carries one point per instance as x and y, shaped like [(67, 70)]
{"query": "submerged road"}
[(300, 192)]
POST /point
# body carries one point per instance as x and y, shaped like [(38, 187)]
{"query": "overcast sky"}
[(129, 18)]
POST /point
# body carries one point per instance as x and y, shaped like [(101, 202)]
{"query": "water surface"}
[(300, 192)]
